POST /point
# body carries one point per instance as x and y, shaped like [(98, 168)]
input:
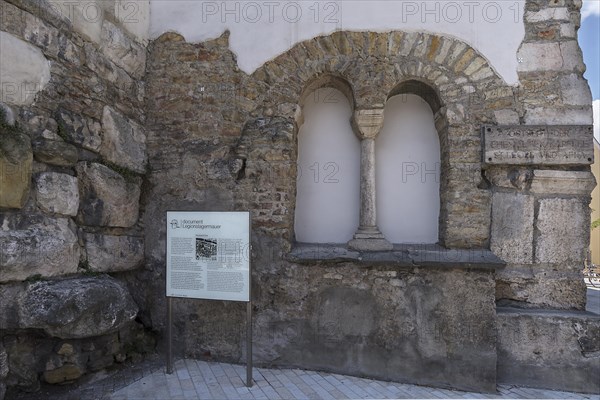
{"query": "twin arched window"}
[(407, 154)]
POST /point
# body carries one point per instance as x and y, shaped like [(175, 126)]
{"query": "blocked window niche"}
[(328, 184), (407, 151)]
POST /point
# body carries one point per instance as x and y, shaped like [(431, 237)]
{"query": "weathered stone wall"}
[(545, 238), (219, 139), (72, 159), (110, 136)]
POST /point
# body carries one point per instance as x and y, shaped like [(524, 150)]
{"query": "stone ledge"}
[(404, 256), (528, 353)]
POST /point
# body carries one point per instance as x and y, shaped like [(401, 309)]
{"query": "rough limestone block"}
[(16, 160), (81, 130), (113, 253), (512, 227), (123, 12), (23, 74), (3, 371), (106, 197), (563, 226), (575, 90), (57, 193), (572, 56), (539, 57), (549, 116), (123, 51), (36, 245), (563, 182), (55, 152), (528, 353), (65, 373), (506, 117), (545, 14), (124, 141), (69, 309)]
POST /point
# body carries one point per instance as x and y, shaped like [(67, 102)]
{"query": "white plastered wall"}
[(407, 153), (328, 186), (261, 30)]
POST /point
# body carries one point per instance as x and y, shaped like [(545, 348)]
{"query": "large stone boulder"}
[(16, 159), (57, 193), (68, 309), (108, 253), (33, 245), (124, 141), (106, 197)]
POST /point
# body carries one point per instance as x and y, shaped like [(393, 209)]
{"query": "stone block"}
[(106, 197), (65, 373), (540, 57), (444, 49), (140, 29), (575, 90), (506, 117), (557, 350), (579, 183), (483, 73), (3, 363), (550, 116), (8, 113), (57, 193), (55, 152), (69, 309), (124, 141), (475, 65), (563, 226), (79, 129), (568, 31), (24, 74), (123, 51), (572, 56), (539, 286), (36, 245), (408, 43), (547, 14), (107, 253), (512, 227), (16, 160)]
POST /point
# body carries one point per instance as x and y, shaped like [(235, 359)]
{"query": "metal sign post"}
[(208, 257)]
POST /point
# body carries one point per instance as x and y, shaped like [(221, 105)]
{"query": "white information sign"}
[(208, 255)]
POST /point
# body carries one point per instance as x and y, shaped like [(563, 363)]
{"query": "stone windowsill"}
[(405, 255)]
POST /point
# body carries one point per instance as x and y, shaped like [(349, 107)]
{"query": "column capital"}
[(368, 123)]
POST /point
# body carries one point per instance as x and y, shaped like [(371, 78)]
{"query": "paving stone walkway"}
[(194, 379)]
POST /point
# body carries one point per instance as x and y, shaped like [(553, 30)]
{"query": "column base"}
[(369, 240)]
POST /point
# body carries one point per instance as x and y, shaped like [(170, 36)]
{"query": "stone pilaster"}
[(367, 125)]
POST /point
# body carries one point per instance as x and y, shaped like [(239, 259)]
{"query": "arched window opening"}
[(408, 171), (328, 185)]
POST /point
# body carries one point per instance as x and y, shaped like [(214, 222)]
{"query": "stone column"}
[(367, 125)]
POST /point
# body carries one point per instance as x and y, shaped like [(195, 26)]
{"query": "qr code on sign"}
[(206, 249)]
